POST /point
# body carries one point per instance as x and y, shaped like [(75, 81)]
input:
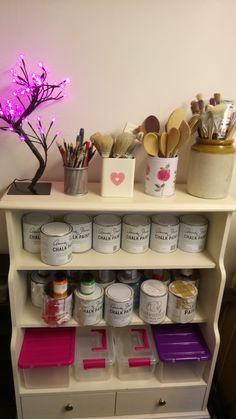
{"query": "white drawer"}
[(67, 406), (159, 401)]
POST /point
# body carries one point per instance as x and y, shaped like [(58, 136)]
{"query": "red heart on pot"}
[(117, 178)]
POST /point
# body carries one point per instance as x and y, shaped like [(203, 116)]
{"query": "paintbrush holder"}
[(160, 176), (75, 180), (211, 164), (117, 177)]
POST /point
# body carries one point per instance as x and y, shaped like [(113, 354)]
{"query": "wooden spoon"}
[(194, 123), (172, 141), (175, 119), (185, 133), (162, 144), (150, 143), (152, 124)]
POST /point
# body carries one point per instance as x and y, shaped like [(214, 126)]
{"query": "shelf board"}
[(181, 201), (112, 384), (31, 317), (119, 260)]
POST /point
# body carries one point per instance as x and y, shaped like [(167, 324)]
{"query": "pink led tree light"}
[(31, 92)]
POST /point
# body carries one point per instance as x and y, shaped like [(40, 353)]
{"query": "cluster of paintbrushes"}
[(121, 146), (167, 143), (77, 156), (213, 120)]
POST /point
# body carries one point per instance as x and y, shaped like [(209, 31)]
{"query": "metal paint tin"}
[(132, 278), (135, 233), (31, 224), (118, 305), (164, 233), (106, 278), (38, 281), (182, 301), (56, 243), (106, 233), (153, 301), (88, 309), (192, 233), (82, 231)]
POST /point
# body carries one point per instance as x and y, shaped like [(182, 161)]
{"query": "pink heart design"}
[(117, 178)]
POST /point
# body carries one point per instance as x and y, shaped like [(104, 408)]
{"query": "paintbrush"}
[(103, 143), (122, 143)]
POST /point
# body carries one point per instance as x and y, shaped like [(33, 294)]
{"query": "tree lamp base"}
[(21, 188)]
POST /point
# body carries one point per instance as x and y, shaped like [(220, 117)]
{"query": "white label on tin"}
[(88, 312), (152, 309), (164, 238), (192, 238), (135, 239), (81, 237), (181, 310), (118, 314), (106, 239), (56, 251), (31, 237)]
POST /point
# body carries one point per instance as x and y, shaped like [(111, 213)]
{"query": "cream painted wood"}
[(159, 401), (128, 393), (68, 406)]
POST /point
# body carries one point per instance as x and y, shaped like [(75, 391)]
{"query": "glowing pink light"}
[(10, 129), (21, 56), (53, 119), (22, 138)]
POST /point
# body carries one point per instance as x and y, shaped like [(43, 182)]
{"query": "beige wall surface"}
[(126, 59)]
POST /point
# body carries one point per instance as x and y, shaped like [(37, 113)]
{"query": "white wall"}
[(126, 59)]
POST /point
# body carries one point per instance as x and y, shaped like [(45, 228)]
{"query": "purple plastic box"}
[(182, 351)]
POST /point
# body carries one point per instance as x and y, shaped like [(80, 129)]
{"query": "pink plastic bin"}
[(46, 355)]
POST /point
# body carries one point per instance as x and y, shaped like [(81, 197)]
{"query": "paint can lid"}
[(136, 220), (154, 288), (56, 229), (36, 218), (194, 219), (76, 218), (119, 292), (107, 220), (165, 219)]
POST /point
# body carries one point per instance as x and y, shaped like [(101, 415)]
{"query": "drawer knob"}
[(162, 402), (69, 407)]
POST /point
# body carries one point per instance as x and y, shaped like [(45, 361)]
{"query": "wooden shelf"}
[(181, 201), (119, 260)]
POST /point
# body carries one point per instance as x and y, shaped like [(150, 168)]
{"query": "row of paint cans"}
[(177, 301), (106, 233)]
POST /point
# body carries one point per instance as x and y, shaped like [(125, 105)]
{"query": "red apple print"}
[(163, 174)]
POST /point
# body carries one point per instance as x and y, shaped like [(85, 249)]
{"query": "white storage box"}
[(136, 354), (94, 353), (46, 355), (117, 177)]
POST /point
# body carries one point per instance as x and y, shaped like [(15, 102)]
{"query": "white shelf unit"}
[(117, 398)]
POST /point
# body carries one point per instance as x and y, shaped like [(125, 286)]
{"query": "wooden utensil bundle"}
[(167, 144)]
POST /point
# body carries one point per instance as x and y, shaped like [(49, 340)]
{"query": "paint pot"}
[(118, 305), (106, 277), (161, 275), (164, 233), (88, 308), (56, 243), (38, 281), (132, 278), (106, 233), (135, 233), (153, 301), (82, 231), (191, 276), (56, 311), (182, 301), (192, 233), (60, 285), (31, 224)]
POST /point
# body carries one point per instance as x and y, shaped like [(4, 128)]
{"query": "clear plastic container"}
[(94, 354), (46, 355), (136, 353), (182, 352)]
